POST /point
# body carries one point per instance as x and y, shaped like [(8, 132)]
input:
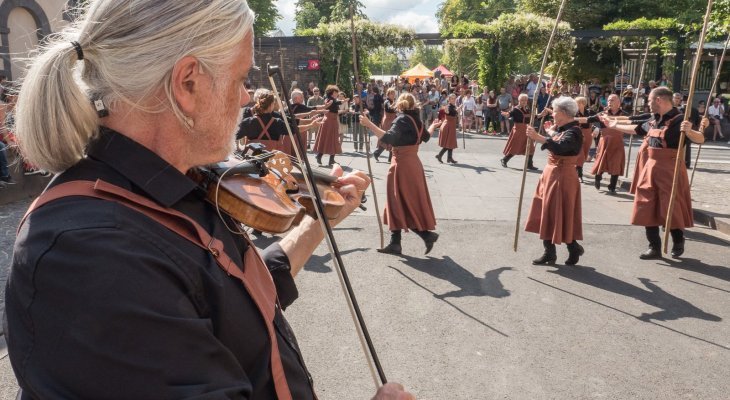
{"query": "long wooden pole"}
[(367, 132), (636, 102), (550, 95), (532, 121), (707, 105), (687, 114)]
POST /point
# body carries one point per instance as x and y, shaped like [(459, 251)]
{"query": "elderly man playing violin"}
[(125, 282)]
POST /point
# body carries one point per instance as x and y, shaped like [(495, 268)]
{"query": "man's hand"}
[(532, 133), (354, 185), (393, 391)]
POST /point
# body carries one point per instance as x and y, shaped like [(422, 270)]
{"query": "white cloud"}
[(417, 14)]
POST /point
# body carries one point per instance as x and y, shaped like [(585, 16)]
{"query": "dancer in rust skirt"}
[(587, 130), (555, 213), (408, 204), (447, 134), (328, 135), (388, 118), (654, 184), (517, 141), (267, 127), (610, 155)]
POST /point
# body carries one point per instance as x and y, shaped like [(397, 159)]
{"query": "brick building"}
[(298, 58)]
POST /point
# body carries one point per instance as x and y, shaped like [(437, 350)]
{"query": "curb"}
[(701, 217)]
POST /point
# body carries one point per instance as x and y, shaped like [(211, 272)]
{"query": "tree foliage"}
[(429, 56), (515, 43), (335, 43), (267, 14), (384, 61), (311, 13)]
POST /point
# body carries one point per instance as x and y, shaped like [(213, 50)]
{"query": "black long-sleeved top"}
[(518, 115), (251, 128), (389, 107), (587, 113), (300, 108), (104, 302), (595, 119), (335, 106), (402, 132), (571, 144), (672, 119), (451, 110)]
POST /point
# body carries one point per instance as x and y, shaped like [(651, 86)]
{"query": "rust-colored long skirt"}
[(408, 204), (328, 136), (610, 155), (517, 141), (654, 188), (447, 133), (587, 140), (556, 213), (641, 156), (388, 119)]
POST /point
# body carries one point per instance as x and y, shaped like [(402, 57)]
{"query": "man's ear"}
[(187, 83)]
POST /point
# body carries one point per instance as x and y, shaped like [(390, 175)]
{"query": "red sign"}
[(313, 65)]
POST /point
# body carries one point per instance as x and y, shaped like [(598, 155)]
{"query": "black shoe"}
[(503, 162), (597, 184), (375, 156), (612, 191), (651, 254), (575, 256), (438, 157), (532, 167), (7, 180), (546, 259), (678, 249), (581, 179), (319, 160), (429, 240), (451, 160), (392, 248)]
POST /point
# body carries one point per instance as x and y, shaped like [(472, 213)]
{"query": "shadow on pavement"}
[(442, 297), (318, 263), (694, 265), (478, 170), (671, 307)]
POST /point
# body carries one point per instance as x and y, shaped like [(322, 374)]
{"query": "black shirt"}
[(389, 107), (520, 115), (672, 119), (571, 144), (403, 132), (300, 108), (451, 110), (251, 127), (103, 302), (335, 106)]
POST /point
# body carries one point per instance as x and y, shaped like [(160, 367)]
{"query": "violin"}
[(264, 190)]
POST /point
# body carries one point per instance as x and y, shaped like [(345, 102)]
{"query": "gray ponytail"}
[(130, 48)]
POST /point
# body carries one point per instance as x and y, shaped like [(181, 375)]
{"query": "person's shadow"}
[(671, 307), (318, 263), (467, 283), (477, 169)]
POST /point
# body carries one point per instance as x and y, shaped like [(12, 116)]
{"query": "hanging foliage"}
[(515, 43), (335, 43)]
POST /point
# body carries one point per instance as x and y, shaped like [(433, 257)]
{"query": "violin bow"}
[(367, 131), (707, 105), (636, 102), (687, 114), (532, 120), (368, 348)]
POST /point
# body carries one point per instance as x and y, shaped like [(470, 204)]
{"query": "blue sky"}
[(416, 14)]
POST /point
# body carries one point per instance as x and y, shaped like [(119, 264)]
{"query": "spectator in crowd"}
[(716, 113), (491, 119), (315, 99), (504, 102)]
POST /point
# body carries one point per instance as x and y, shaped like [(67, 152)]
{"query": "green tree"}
[(310, 13), (383, 61), (266, 16), (335, 43), (429, 56)]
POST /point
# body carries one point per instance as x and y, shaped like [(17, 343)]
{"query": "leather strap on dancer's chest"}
[(255, 278), (265, 128), (660, 132)]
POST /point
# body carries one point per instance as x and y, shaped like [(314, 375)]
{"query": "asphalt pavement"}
[(475, 320)]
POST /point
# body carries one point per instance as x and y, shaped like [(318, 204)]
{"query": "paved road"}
[(474, 320)]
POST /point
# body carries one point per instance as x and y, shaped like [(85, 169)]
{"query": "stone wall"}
[(294, 55)]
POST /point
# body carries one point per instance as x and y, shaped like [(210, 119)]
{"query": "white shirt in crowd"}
[(716, 111), (469, 104)]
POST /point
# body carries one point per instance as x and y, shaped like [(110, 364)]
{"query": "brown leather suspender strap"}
[(256, 279), (265, 128)]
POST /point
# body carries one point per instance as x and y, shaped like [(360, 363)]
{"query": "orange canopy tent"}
[(444, 71), (419, 71)]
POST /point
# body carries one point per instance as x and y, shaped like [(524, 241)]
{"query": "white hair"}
[(296, 93), (129, 50), (567, 105), (522, 96)]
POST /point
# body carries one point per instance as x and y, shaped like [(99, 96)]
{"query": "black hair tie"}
[(79, 52)]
